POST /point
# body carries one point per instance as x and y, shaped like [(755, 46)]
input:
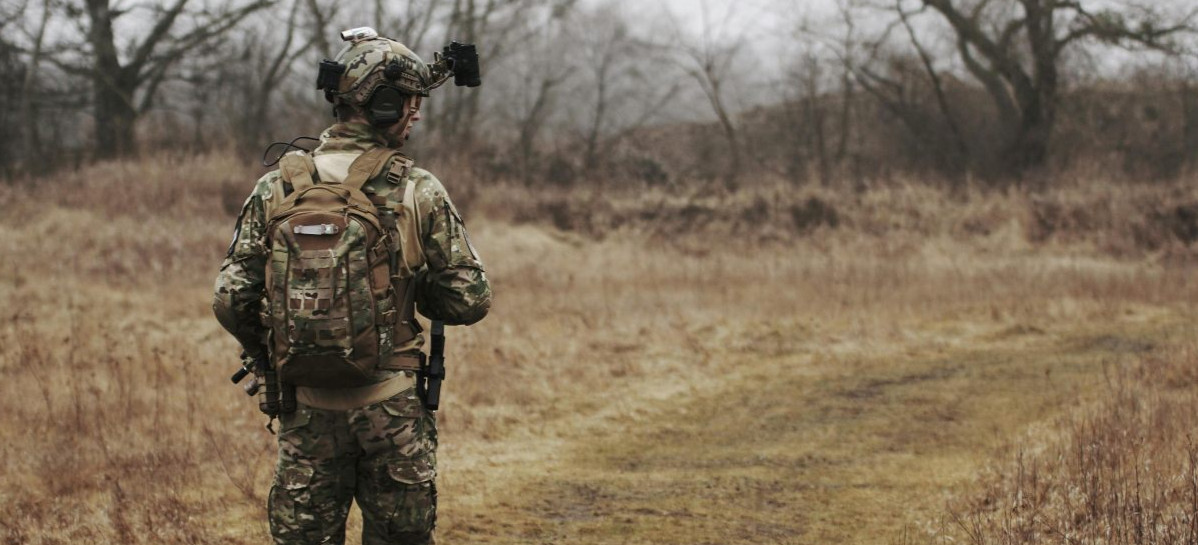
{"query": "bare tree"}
[(937, 81), (28, 106), (1015, 47), (40, 97), (710, 59), (820, 98), (1189, 101), (621, 79), (270, 70), (497, 26), (320, 27), (604, 50), (10, 72), (809, 119), (126, 77), (542, 68), (904, 82)]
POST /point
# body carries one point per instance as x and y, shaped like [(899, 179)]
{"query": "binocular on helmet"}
[(463, 63)]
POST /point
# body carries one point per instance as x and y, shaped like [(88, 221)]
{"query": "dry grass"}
[(710, 369), (1123, 471)]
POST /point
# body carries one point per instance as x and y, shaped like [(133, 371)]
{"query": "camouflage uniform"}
[(344, 445)]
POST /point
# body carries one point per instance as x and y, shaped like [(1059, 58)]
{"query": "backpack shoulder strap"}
[(297, 169), (411, 250), (409, 231), (409, 203), (367, 166)]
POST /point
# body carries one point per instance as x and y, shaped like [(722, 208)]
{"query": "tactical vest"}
[(340, 277)]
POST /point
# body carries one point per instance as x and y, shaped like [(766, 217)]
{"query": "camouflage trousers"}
[(383, 455)]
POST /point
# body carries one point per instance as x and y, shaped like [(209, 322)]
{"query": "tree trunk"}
[(28, 108), (531, 125), (1028, 150), (1039, 101), (1189, 104), (115, 118), (711, 85), (112, 87), (732, 177), (595, 132), (817, 119)]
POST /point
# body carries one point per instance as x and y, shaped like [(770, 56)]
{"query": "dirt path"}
[(799, 447)]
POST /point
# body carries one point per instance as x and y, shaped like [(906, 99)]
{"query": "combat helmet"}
[(374, 75)]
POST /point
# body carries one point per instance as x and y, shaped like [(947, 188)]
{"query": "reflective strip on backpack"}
[(322, 229)]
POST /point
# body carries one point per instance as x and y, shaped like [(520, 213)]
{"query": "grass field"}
[(916, 367)]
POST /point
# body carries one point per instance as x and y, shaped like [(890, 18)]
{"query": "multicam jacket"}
[(452, 287)]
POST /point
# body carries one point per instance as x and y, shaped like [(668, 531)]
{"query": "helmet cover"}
[(377, 62)]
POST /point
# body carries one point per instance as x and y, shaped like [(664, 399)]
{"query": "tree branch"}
[(204, 32), (16, 15), (1113, 28), (991, 81), (968, 30), (937, 84), (74, 69), (154, 80), (161, 27), (276, 65)]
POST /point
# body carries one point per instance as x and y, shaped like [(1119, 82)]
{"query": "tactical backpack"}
[(337, 283)]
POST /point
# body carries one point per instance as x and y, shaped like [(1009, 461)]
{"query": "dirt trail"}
[(801, 447)]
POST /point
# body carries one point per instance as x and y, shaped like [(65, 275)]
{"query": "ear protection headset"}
[(386, 107)]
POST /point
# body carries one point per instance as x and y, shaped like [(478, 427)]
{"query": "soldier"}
[(332, 255)]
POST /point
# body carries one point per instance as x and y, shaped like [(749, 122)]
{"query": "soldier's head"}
[(377, 81)]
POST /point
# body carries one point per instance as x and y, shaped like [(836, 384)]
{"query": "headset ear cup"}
[(385, 106)]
